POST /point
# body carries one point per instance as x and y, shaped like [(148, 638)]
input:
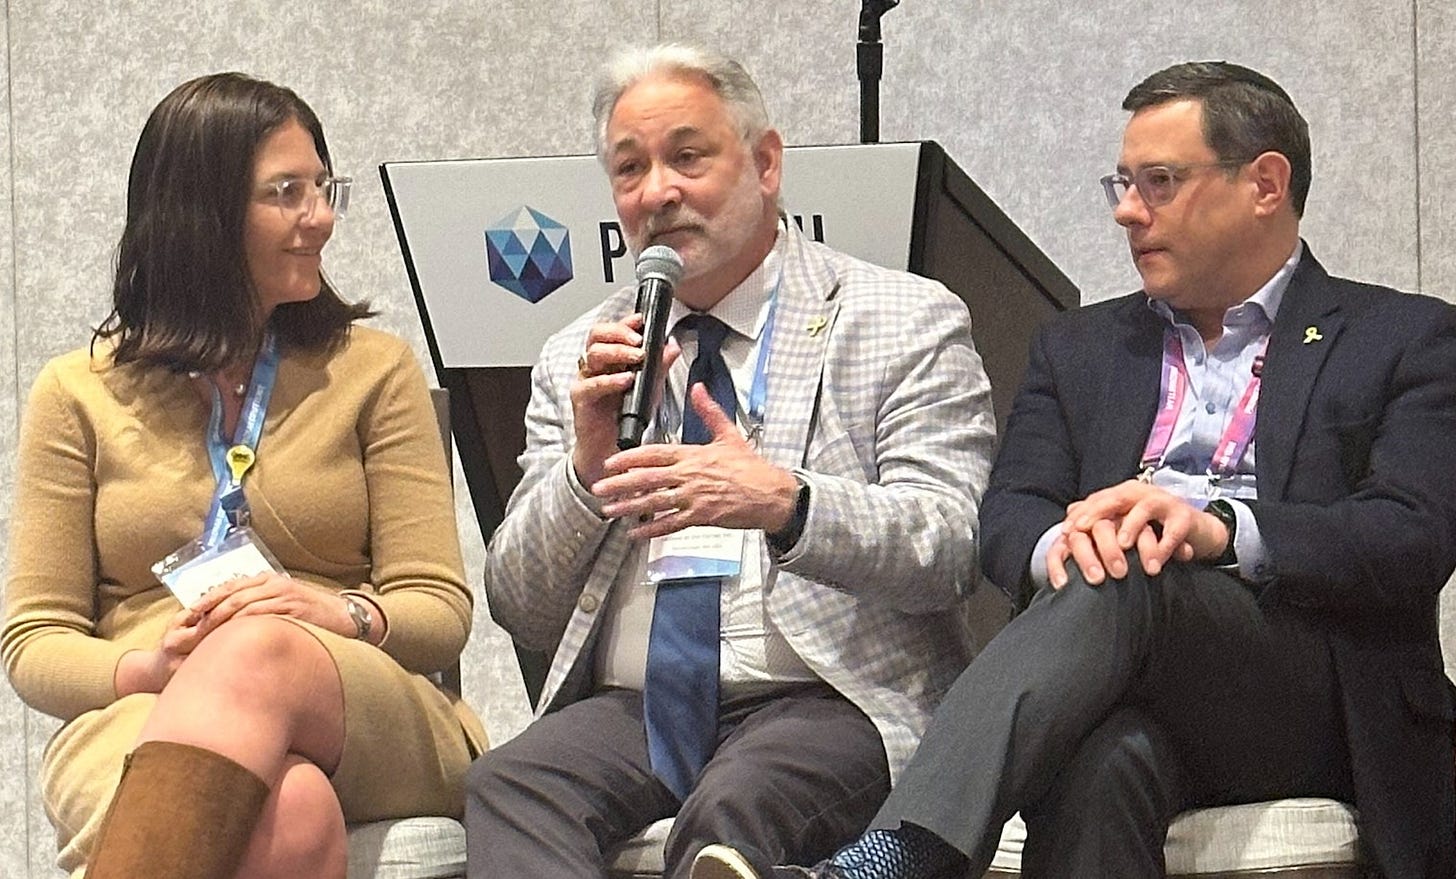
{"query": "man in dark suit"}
[(1232, 497)]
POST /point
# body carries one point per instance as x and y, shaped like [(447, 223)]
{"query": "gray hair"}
[(726, 77)]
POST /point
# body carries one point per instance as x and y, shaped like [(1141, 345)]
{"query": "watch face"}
[(1221, 510)]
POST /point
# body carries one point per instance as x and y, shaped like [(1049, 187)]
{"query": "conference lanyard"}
[(758, 389), (230, 463), (1238, 433)]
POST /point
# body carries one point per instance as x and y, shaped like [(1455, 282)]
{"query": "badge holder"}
[(697, 551), (195, 569)]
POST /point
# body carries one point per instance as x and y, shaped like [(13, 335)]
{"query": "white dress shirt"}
[(754, 657)]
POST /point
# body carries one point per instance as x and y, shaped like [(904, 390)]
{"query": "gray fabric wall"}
[(1024, 95)]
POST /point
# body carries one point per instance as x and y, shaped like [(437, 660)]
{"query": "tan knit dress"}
[(349, 492)]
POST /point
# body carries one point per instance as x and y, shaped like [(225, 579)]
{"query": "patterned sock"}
[(910, 852)]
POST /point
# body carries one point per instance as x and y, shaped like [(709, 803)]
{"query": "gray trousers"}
[(1101, 712), (794, 777)]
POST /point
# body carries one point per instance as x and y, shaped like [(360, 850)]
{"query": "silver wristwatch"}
[(359, 613)]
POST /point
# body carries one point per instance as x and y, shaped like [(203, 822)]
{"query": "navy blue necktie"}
[(680, 691), (708, 369)]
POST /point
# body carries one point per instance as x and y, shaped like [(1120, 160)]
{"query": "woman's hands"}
[(148, 671), (276, 594)]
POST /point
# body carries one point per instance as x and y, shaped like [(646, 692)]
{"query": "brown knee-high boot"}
[(179, 811)]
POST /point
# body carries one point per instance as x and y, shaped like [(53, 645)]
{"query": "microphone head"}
[(660, 261)]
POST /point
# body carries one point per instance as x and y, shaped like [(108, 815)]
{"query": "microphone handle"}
[(654, 300)]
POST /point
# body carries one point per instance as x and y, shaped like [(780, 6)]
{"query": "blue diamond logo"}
[(528, 253)]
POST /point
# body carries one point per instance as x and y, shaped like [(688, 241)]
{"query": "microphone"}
[(659, 268)]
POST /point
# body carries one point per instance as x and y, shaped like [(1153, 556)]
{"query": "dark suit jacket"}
[(1356, 466)]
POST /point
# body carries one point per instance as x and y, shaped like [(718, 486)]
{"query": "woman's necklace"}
[(239, 390)]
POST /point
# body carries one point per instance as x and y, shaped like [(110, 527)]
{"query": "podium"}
[(502, 252)]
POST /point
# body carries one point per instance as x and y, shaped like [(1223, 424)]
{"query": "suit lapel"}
[(1305, 330), (807, 308), (1130, 396)]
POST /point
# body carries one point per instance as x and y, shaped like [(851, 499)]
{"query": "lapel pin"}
[(816, 325), (1312, 334)]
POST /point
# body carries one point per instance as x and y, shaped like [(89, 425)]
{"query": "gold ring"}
[(581, 367)]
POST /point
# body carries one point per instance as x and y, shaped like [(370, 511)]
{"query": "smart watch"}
[(784, 539), (1224, 512)]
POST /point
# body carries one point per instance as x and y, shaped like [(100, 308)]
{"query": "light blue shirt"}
[(1217, 379)]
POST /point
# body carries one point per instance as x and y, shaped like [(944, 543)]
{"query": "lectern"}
[(502, 252)]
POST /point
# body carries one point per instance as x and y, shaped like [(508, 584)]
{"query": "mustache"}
[(666, 221)]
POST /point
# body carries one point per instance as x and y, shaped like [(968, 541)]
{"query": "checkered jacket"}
[(877, 398)]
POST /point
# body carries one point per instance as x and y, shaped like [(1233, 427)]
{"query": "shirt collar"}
[(745, 308), (1266, 299)]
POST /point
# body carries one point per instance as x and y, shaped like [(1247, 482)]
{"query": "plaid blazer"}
[(877, 398)]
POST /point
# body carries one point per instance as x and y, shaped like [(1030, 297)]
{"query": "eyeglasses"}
[(299, 196), (1157, 184)]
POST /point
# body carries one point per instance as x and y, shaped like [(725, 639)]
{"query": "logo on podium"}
[(528, 253)]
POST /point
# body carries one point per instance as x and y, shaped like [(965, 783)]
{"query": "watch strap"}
[(359, 613), (783, 540), (1224, 512)]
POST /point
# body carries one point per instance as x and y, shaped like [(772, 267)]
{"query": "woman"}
[(280, 705)]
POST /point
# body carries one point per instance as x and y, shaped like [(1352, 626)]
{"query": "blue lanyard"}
[(758, 392), (231, 462)]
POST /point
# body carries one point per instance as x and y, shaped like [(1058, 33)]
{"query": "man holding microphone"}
[(754, 612)]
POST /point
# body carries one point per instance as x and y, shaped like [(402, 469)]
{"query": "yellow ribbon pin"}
[(816, 325), (1312, 334), (240, 460)]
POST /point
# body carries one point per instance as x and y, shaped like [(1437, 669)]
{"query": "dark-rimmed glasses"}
[(1156, 184)]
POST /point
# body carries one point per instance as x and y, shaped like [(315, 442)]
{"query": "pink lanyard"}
[(1236, 436)]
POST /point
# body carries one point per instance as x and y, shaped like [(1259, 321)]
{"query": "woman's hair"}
[(183, 298)]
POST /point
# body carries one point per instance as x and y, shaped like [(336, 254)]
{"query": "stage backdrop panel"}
[(449, 211)]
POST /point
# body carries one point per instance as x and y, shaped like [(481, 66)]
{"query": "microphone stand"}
[(871, 56)]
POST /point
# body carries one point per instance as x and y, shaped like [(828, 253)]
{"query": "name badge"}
[(195, 569), (698, 551)]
